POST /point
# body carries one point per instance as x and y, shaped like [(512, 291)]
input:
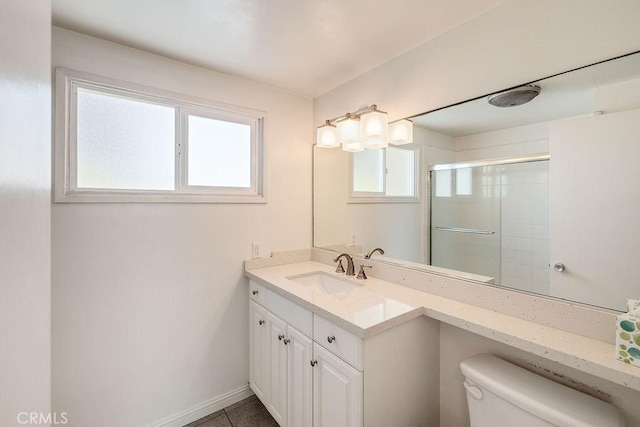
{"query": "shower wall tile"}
[(523, 257), (509, 255), (540, 274), (525, 226), (523, 244), (540, 260), (540, 246)]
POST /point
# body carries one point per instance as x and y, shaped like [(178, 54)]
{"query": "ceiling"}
[(566, 95), (306, 46)]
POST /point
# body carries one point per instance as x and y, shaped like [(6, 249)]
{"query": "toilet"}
[(502, 394)]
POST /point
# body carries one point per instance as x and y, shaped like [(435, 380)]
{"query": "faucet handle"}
[(361, 274), (340, 268)]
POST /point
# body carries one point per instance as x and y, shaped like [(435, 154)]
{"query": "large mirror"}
[(541, 196)]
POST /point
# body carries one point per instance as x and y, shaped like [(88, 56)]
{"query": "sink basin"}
[(328, 283)]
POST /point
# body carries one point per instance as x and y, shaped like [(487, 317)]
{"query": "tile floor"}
[(249, 412)]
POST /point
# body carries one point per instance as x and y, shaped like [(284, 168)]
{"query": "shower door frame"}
[(472, 164)]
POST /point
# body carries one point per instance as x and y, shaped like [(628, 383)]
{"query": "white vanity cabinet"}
[(280, 372), (338, 391), (258, 350), (308, 371)]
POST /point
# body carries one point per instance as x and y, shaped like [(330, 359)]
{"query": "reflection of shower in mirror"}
[(491, 218)]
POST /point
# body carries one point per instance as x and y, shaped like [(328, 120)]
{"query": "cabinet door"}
[(299, 379), (258, 351), (277, 402), (337, 390)]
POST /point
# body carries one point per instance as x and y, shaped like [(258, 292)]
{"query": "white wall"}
[(25, 193), (150, 313)]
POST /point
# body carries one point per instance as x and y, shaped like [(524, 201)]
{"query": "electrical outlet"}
[(256, 250)]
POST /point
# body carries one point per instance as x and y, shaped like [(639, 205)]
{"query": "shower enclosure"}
[(491, 218)]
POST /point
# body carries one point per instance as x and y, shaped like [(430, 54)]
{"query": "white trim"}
[(205, 408), (64, 159)]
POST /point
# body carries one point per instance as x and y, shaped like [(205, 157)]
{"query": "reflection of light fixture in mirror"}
[(327, 136), (514, 97), (401, 132), (367, 127), (374, 127), (349, 134)]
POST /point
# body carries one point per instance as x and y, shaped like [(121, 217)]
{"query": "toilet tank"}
[(502, 394)]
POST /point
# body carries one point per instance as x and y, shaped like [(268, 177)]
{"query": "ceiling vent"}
[(514, 97)]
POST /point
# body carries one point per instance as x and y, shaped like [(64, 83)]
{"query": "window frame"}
[(65, 143), (381, 197)]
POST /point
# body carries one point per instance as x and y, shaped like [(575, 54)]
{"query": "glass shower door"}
[(465, 220)]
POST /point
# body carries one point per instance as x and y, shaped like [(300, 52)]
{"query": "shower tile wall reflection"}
[(465, 220), (525, 226), (493, 221)]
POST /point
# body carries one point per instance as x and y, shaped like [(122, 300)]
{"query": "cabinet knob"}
[(261, 322), (559, 267), (331, 339), (280, 337), (254, 292), (286, 341), (314, 362)]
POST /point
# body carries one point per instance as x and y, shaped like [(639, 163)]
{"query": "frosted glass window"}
[(120, 142), (123, 143), (443, 183), (368, 171), (464, 182), (219, 153), (400, 172)]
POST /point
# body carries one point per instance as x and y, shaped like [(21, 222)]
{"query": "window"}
[(445, 178), (384, 175), (118, 142)]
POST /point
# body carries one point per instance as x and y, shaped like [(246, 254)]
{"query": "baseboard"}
[(205, 408)]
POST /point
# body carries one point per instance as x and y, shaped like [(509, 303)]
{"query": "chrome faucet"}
[(373, 251), (350, 268)]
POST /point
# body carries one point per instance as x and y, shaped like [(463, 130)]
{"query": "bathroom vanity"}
[(326, 350)]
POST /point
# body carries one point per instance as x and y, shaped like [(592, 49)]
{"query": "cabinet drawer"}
[(257, 293), (340, 342), (290, 312)]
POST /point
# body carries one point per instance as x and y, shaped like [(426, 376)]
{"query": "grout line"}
[(228, 419)]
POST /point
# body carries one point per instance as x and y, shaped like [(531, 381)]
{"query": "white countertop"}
[(376, 305)]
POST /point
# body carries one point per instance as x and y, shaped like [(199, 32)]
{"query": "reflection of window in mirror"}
[(464, 182), (385, 175), (448, 179)]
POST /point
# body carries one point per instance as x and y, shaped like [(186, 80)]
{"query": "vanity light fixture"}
[(328, 135), (401, 132), (365, 128), (349, 133), (374, 128)]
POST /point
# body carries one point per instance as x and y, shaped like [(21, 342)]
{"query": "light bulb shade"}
[(349, 131), (353, 147), (327, 136), (373, 129), (401, 132)]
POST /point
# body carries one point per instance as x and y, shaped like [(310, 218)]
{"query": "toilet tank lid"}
[(546, 399)]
